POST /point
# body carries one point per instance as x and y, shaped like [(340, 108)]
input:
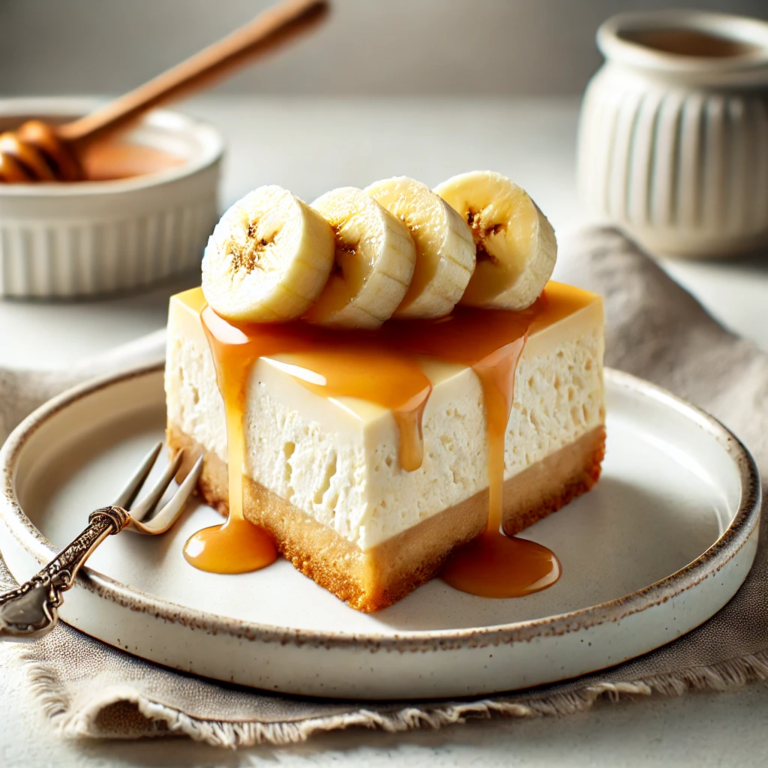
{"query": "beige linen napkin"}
[(655, 330)]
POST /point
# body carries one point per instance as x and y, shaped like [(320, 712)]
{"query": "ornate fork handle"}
[(31, 610)]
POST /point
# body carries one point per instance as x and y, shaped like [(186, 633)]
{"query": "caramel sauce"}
[(109, 161), (35, 152), (383, 367), (689, 42), (377, 374), (237, 546), (330, 363), (491, 342)]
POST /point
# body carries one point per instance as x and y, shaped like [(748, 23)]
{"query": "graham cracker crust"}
[(369, 580)]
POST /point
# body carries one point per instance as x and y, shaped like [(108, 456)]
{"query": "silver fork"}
[(31, 610)]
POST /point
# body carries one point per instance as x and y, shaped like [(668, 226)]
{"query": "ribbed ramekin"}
[(91, 238)]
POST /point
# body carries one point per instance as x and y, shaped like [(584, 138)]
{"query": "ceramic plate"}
[(662, 543)]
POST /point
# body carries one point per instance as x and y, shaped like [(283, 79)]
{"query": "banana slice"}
[(375, 258), (516, 245), (445, 250), (268, 258)]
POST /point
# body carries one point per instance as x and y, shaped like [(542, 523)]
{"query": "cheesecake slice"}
[(366, 502)]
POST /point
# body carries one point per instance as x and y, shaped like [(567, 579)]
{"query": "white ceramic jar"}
[(673, 138), (97, 237)]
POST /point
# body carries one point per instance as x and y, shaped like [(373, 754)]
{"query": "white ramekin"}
[(91, 238)]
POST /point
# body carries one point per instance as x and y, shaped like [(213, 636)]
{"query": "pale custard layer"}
[(337, 459)]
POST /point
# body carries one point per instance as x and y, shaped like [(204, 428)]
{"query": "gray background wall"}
[(484, 47)]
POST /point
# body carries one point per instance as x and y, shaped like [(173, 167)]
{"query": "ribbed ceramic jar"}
[(673, 138), (98, 237)]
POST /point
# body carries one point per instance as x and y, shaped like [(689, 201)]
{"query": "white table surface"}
[(311, 146)]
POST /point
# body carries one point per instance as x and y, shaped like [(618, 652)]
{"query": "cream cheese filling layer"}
[(336, 459)]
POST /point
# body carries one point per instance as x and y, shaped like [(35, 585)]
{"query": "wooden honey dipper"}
[(40, 152)]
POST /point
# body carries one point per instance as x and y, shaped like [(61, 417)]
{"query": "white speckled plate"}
[(660, 545)]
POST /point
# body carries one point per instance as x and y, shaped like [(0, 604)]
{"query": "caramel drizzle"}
[(495, 565), (237, 546), (383, 367)]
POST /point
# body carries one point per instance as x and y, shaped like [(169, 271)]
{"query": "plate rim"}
[(725, 547)]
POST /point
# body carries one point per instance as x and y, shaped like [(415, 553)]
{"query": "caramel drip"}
[(237, 546), (341, 365), (383, 367), (491, 343), (495, 565)]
